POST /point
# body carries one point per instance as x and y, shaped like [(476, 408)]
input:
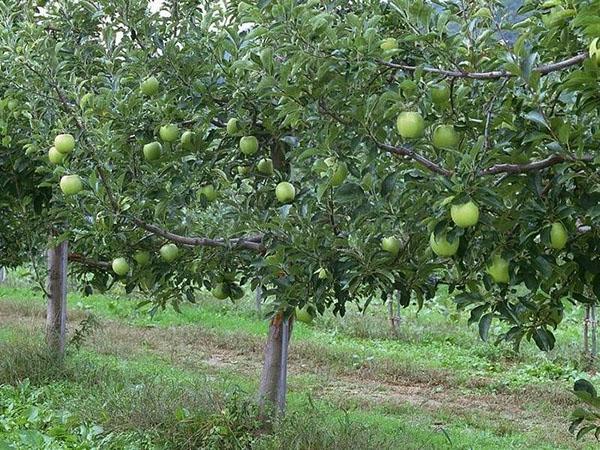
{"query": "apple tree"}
[(325, 151)]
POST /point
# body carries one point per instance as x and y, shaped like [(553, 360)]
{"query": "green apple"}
[(558, 236), (465, 215), (233, 126), (169, 252), (12, 104), (444, 136), (389, 44), (440, 94), (120, 266), (64, 143), (265, 166), (169, 133), (209, 192), (55, 156), (142, 257), (410, 125), (285, 192), (150, 86), (249, 145), (220, 291), (303, 315), (187, 139), (152, 151), (442, 247), (391, 245), (498, 269), (339, 174), (71, 184)]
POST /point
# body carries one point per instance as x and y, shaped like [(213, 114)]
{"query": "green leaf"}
[(544, 339), (584, 388), (537, 117), (484, 326)]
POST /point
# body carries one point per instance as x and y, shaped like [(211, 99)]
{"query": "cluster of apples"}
[(168, 133), (467, 215), (249, 145), (168, 252), (64, 144), (411, 125)]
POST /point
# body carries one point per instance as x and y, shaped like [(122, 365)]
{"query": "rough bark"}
[(273, 380), (2, 274), (56, 317)]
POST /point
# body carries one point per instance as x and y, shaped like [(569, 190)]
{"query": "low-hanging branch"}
[(543, 69), (249, 242), (83, 260)]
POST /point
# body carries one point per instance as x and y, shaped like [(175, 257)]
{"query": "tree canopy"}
[(510, 124)]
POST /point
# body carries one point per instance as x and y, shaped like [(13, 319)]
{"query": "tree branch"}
[(411, 154), (249, 242), (80, 259), (544, 69), (531, 166)]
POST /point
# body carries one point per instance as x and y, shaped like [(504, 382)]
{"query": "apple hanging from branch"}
[(410, 125), (71, 184), (465, 215)]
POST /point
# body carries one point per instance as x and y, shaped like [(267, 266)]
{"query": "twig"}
[(488, 117)]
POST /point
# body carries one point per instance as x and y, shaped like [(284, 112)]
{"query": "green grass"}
[(359, 360), (433, 339), (105, 392)]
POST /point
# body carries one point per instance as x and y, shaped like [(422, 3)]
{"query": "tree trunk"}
[(56, 317), (392, 317), (2, 274), (586, 332), (273, 380), (258, 300), (594, 349)]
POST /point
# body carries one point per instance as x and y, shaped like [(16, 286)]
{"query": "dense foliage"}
[(311, 81)]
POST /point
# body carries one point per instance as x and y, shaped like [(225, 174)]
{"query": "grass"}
[(182, 379)]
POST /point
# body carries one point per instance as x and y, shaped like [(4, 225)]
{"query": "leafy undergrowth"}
[(187, 380), (99, 401)]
